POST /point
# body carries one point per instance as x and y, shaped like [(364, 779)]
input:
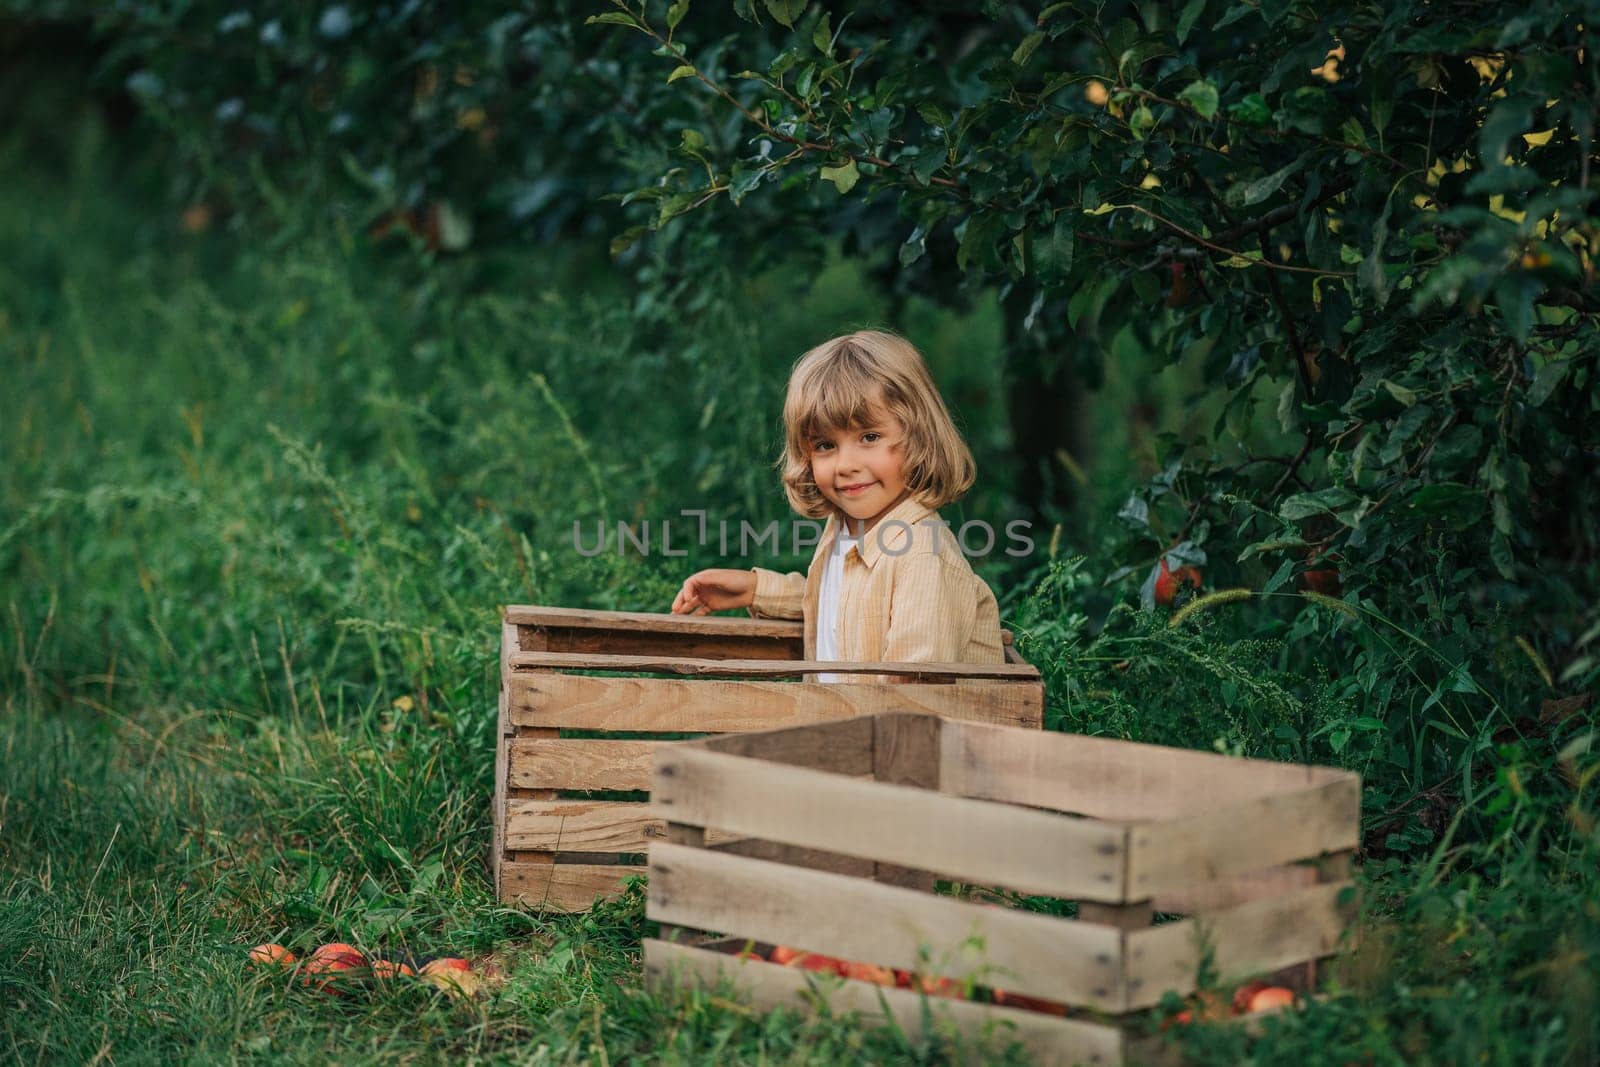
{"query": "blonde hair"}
[(841, 384)]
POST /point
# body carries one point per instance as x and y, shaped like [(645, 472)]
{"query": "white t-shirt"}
[(828, 603)]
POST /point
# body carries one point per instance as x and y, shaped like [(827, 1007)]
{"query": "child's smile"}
[(859, 471)]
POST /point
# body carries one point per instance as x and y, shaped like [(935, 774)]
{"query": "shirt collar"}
[(889, 536)]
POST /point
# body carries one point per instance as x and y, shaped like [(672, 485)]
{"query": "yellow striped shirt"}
[(908, 596)]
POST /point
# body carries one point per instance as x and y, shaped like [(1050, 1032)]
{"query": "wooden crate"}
[(1246, 859), (556, 845)]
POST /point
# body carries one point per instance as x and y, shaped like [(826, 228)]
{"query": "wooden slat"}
[(815, 858), (580, 763), (1253, 938), (545, 699), (761, 668), (561, 887), (1106, 778), (843, 747), (1049, 1042), (973, 840), (856, 919), (651, 622), (1244, 836), (585, 826), (632, 643), (508, 648), (497, 805), (1239, 889), (905, 751), (663, 622)]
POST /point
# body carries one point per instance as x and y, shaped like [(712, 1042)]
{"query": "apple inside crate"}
[(828, 839), (588, 697)]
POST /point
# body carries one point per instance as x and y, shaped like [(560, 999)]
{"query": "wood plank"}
[(856, 919), (562, 887), (1107, 778), (1245, 836), (815, 858), (1049, 1042), (971, 840), (1236, 890), (497, 805), (761, 668), (1264, 935), (1135, 916), (843, 747), (651, 622), (663, 622), (544, 699), (508, 648), (905, 751), (585, 826), (579, 763), (633, 643)]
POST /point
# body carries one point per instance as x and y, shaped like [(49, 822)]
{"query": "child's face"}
[(859, 469)]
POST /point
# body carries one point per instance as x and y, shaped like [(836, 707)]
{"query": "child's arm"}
[(778, 596), (930, 615), (768, 594)]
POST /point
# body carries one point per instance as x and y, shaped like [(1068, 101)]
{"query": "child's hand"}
[(715, 590)]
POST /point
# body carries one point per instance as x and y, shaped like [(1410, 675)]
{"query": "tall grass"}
[(262, 499)]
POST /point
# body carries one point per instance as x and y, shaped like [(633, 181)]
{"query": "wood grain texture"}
[(579, 763), (1049, 1042), (1106, 778), (1263, 935), (971, 840), (585, 826), (1245, 836), (651, 622), (763, 668), (540, 698), (905, 751), (561, 887), (843, 747), (852, 918)]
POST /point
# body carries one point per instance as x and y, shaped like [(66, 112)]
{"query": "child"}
[(871, 447)]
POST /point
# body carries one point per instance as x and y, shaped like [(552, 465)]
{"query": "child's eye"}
[(821, 446), (871, 437)]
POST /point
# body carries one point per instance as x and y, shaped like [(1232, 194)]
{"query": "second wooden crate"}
[(583, 709), (1253, 855)]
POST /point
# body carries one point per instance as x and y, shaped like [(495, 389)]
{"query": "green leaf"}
[(843, 177), (676, 12), (1252, 110), (1246, 194), (1024, 51), (980, 237), (1545, 380), (1202, 96), (693, 142), (1053, 251), (1370, 274), (743, 181), (1191, 14), (1322, 502), (926, 164), (1407, 397), (626, 239), (684, 71), (914, 247), (822, 35), (613, 18), (784, 12)]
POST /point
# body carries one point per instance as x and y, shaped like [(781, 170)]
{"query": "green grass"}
[(262, 499)]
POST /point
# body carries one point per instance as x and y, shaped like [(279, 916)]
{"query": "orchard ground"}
[(262, 498)]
